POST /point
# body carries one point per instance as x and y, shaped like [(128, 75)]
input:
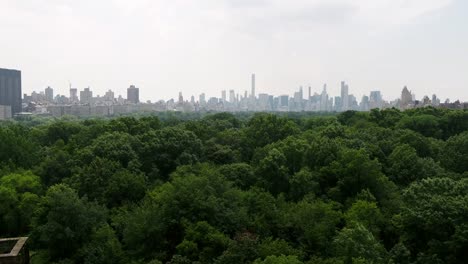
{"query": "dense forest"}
[(383, 186)]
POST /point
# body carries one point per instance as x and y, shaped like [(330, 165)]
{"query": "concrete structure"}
[(344, 97), (5, 112), (10, 89), (14, 251), (133, 95), (74, 95), (406, 98), (49, 94), (86, 96), (253, 86)]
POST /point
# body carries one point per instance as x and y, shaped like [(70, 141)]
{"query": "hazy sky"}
[(194, 46)]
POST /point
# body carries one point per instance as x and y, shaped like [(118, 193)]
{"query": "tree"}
[(240, 174), (455, 153), (279, 260), (168, 148), (302, 183), (434, 218), (202, 242), (64, 222), (358, 242), (19, 196), (102, 248), (354, 171), (264, 129), (312, 224), (273, 172), (367, 214), (107, 182)]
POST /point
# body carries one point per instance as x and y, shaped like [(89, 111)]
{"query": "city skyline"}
[(192, 46), (228, 94)]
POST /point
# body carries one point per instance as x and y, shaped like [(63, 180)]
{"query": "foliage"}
[(385, 186)]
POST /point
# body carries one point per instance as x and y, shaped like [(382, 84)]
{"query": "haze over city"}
[(207, 46)]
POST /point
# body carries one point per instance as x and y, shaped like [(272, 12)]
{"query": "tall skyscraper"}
[(375, 100), (324, 99), (344, 97), (133, 94), (406, 98), (253, 86), (10, 89), (223, 95), (202, 99), (232, 96), (181, 98), (73, 95), (49, 94), (86, 96)]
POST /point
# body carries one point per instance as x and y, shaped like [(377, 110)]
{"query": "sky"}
[(192, 46)]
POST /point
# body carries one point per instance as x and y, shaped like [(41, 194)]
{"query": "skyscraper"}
[(344, 97), (253, 86), (73, 95), (10, 89), (181, 98), (223, 95), (49, 94), (86, 96), (232, 96), (406, 98), (133, 94), (375, 100)]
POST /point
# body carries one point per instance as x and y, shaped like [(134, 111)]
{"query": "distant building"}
[(202, 99), (10, 89), (375, 100), (232, 96), (344, 97), (133, 94), (86, 96), (406, 98), (5, 112), (49, 94), (74, 95), (253, 86), (223, 95)]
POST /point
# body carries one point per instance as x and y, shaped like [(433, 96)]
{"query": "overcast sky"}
[(194, 46)]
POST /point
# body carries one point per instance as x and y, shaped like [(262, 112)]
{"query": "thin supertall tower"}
[(253, 86)]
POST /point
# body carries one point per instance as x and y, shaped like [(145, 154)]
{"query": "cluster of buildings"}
[(84, 103)]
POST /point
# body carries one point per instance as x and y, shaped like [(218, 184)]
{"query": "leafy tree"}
[(273, 172), (455, 153), (303, 183), (279, 260), (102, 248), (358, 245), (264, 129), (64, 222), (433, 219), (109, 183), (202, 242), (19, 196), (313, 224), (240, 174), (367, 214), (168, 148)]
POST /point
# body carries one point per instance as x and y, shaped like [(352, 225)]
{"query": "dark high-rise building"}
[(133, 94), (10, 89)]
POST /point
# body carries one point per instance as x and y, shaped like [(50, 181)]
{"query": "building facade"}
[(10, 89)]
